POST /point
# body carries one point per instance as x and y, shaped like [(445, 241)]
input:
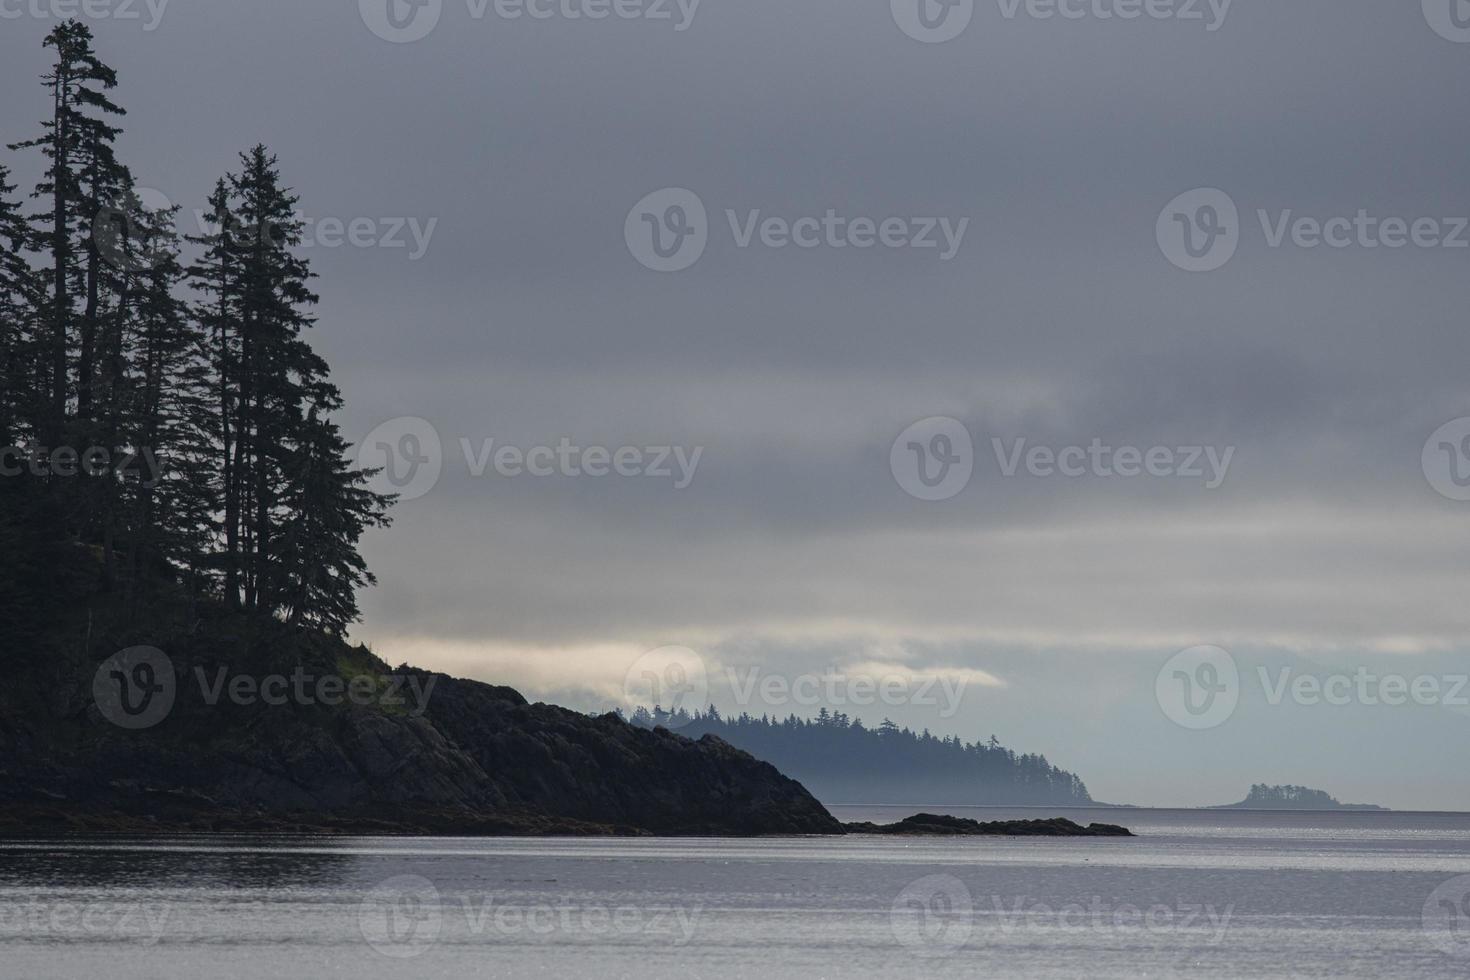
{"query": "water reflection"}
[(213, 861)]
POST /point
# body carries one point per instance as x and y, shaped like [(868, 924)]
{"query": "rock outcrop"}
[(936, 825), (471, 758)]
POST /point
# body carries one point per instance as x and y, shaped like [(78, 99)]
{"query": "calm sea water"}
[(1199, 893)]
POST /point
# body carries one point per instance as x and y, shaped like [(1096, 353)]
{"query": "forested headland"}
[(843, 761)]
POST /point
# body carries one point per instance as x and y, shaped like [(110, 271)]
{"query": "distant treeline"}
[(842, 761), (1298, 796)]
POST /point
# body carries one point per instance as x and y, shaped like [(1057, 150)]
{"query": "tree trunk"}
[(88, 353), (232, 496), (60, 253)]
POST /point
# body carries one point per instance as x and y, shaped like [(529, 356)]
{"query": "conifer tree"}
[(330, 507), (215, 277), (280, 376), (173, 488), (76, 142)]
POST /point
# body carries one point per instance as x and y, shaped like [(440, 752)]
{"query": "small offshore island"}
[(1264, 797), (935, 825)]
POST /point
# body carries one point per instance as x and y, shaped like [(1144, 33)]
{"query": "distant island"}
[(936, 825), (1264, 797), (843, 761)]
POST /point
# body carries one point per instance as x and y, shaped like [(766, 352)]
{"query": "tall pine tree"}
[(77, 143), (214, 277)]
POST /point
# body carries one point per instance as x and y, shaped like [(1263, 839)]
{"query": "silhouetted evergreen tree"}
[(214, 275), (330, 506), (174, 494), (77, 143), (280, 378)]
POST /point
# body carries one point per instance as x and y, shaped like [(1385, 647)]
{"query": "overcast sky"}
[(1052, 309)]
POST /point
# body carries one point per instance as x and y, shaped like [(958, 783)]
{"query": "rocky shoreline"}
[(936, 825), (172, 815)]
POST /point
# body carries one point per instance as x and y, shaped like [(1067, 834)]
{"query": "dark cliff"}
[(422, 753)]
